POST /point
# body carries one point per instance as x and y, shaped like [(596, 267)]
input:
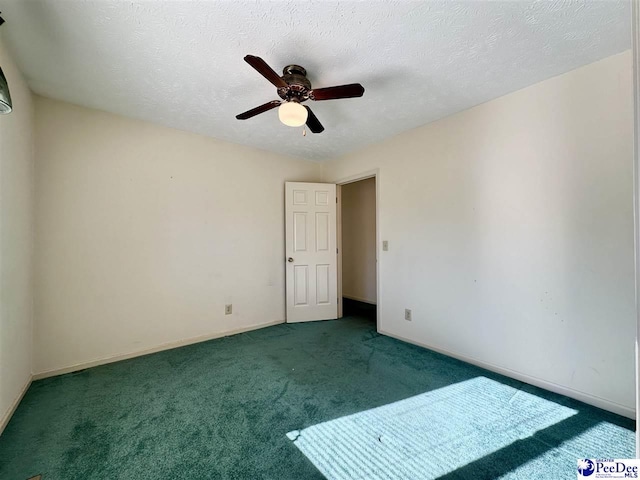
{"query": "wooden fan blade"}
[(342, 91), (265, 70), (313, 123), (261, 109)]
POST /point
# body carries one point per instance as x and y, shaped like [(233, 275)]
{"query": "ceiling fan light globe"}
[(292, 114)]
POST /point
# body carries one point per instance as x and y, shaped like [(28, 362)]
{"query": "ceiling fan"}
[(294, 88)]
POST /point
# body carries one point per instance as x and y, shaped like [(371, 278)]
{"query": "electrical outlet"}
[(385, 245), (407, 314), (228, 309)]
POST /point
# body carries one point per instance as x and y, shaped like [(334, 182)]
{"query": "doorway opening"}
[(357, 249)]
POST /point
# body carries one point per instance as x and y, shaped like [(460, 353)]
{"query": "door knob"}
[(289, 259)]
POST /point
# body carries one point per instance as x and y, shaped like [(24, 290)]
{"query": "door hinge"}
[(336, 199), (336, 250)]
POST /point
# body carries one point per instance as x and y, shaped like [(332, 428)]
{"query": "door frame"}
[(375, 174)]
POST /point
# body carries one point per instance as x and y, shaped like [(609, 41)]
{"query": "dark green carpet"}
[(221, 409)]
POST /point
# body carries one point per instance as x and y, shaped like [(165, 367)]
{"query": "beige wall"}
[(359, 240), (144, 233), (16, 238), (510, 230)]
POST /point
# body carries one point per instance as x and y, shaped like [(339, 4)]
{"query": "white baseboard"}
[(538, 382), (9, 413), (359, 299), (147, 351)]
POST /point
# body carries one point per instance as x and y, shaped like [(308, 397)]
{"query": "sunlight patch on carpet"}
[(432, 434)]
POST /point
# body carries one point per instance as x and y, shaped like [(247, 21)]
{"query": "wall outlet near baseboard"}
[(228, 309), (407, 314)]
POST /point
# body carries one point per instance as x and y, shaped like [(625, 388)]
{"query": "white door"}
[(311, 256)]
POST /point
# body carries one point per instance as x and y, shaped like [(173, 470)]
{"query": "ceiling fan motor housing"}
[(298, 85)]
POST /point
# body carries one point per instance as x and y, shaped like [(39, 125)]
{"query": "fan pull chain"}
[(304, 131)]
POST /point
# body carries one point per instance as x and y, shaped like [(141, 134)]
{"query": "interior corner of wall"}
[(323, 170)]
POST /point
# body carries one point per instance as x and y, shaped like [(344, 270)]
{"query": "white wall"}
[(16, 241), (144, 233), (359, 240), (635, 23), (510, 230)]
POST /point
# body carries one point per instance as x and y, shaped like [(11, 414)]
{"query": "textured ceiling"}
[(180, 63)]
